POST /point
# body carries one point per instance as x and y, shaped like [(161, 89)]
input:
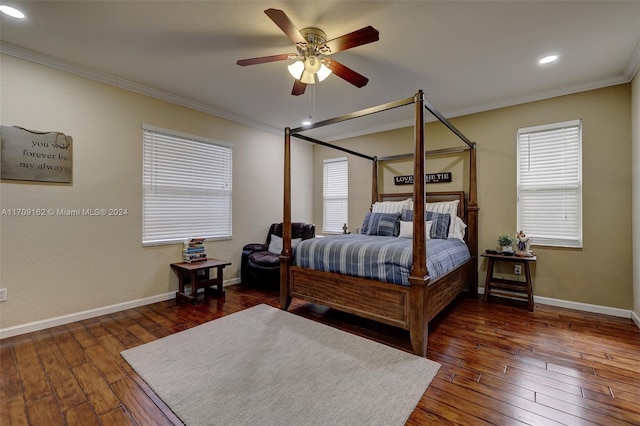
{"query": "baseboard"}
[(635, 318), (79, 316), (586, 307), (596, 309), (91, 313)]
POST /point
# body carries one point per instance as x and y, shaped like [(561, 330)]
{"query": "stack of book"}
[(193, 250)]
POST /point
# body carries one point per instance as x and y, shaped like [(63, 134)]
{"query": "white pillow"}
[(275, 245), (459, 229), (406, 229), (391, 206)]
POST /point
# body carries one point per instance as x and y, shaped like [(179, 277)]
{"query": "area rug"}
[(265, 366)]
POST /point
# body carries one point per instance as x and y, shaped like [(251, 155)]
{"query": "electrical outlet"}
[(3, 295), (517, 269)]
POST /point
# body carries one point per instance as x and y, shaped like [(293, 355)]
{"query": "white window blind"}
[(335, 194), (187, 187), (550, 183)]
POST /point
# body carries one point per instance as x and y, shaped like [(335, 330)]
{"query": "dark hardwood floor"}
[(501, 364)]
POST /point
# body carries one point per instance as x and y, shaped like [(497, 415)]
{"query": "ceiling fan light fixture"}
[(308, 77), (323, 72), (296, 69), (307, 73), (312, 64)]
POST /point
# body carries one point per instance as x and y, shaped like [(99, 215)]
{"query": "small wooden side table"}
[(190, 270), (519, 289)]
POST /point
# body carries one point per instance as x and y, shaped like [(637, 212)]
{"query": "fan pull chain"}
[(312, 102)]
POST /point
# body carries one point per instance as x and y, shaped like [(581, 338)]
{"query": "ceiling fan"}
[(313, 61)]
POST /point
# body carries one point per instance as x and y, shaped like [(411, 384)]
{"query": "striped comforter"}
[(386, 259)]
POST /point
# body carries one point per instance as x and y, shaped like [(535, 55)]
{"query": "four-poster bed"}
[(410, 306)]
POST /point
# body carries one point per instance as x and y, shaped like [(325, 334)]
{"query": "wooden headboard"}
[(431, 197)]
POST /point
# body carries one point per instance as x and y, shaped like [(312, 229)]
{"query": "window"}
[(186, 187), (550, 183), (335, 194)]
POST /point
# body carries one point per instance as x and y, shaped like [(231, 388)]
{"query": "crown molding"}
[(631, 69), (450, 114), (569, 90), (132, 86), (633, 65)]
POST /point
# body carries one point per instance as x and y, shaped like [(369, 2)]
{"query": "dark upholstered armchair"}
[(261, 267)]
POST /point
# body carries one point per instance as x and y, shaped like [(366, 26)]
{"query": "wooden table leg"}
[(220, 281), (180, 284), (487, 283), (194, 286), (527, 272)]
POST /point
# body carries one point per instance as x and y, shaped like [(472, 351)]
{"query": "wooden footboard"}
[(378, 301), (383, 302)]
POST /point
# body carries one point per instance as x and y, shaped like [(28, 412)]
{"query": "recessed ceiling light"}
[(548, 59), (307, 123), (11, 11)]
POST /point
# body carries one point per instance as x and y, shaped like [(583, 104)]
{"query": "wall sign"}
[(438, 177), (428, 178), (37, 156)]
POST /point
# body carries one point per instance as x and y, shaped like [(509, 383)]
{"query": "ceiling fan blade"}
[(282, 20), (298, 88), (346, 73), (357, 38), (265, 59)]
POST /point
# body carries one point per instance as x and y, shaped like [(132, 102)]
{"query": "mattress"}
[(386, 259)]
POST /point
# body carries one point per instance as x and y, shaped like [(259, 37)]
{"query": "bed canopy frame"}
[(410, 307)]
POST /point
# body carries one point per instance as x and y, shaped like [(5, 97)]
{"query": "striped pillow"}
[(450, 207), (440, 226), (364, 229), (384, 224), (391, 206), (407, 215)]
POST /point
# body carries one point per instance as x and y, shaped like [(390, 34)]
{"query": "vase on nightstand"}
[(507, 249), (505, 242)]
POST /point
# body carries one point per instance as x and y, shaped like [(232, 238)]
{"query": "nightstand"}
[(510, 288), (191, 271)]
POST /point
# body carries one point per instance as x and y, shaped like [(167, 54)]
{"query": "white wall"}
[(635, 146), (55, 266)]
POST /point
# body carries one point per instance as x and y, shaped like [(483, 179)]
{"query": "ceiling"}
[(467, 56)]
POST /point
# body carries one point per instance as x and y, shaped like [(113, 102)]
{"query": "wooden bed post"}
[(286, 254), (472, 213), (419, 278), (374, 181)]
